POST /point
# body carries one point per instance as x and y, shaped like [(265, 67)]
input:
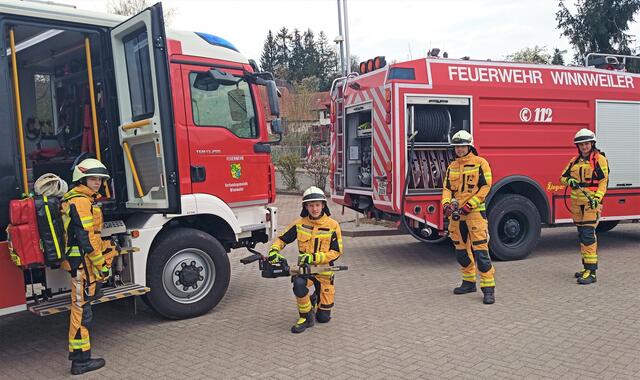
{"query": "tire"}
[(188, 272), (607, 226), (514, 227)]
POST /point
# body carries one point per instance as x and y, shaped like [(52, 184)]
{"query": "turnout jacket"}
[(321, 237), (83, 222), (592, 173), (468, 180)]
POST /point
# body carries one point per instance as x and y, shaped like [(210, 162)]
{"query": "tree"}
[(283, 39), (354, 63), (598, 26), (536, 54), (296, 59), (318, 169), (558, 56), (327, 62), (133, 7), (268, 59), (311, 64)]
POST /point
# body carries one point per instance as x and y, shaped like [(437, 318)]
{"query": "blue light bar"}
[(218, 41)]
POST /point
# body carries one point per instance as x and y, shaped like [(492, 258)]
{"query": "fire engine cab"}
[(178, 119), (392, 126)]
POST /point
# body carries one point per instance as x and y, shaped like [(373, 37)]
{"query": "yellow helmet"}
[(584, 135), (90, 167), (462, 138), (50, 185), (313, 194)]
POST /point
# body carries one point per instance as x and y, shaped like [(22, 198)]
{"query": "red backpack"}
[(22, 234)]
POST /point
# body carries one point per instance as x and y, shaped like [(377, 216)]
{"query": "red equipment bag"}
[(22, 233)]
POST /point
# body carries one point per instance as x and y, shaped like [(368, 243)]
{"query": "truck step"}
[(63, 303)]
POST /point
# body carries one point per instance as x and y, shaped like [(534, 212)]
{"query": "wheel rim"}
[(188, 275), (512, 228)]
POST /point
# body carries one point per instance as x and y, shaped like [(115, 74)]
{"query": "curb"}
[(370, 230)]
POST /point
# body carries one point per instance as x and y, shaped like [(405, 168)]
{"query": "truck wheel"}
[(607, 225), (514, 227), (188, 272)]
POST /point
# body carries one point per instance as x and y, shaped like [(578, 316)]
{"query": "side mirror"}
[(276, 127), (272, 93)]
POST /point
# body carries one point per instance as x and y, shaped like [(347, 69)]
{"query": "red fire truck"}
[(523, 118), (178, 119)]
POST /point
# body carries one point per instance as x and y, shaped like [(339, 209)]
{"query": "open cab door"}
[(146, 128)]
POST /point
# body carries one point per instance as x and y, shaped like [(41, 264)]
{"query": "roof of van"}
[(193, 44)]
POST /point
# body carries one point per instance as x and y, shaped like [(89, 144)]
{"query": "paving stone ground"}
[(395, 318)]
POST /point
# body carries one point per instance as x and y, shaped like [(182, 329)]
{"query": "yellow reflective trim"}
[(74, 251), (96, 259), (50, 221), (79, 344), (303, 231), (445, 200), (304, 308)]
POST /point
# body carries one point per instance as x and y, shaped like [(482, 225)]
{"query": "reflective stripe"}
[(53, 234), (302, 230), (74, 251), (79, 344), (445, 200), (96, 259), (475, 201), (485, 283), (87, 221), (467, 277), (304, 308)]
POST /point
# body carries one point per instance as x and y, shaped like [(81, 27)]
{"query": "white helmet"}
[(313, 194), (584, 135), (462, 138), (50, 185), (90, 167)]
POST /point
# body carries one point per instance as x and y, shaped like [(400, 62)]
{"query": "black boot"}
[(79, 367), (466, 287), (323, 316), (489, 296), (303, 323), (588, 277), (579, 274)]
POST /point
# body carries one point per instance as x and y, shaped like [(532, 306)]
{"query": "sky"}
[(397, 29)]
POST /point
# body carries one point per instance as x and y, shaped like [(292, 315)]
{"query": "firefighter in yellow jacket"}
[(319, 242), (588, 175), (466, 184), (86, 261)]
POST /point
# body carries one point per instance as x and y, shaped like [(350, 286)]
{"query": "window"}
[(402, 73), (136, 50), (228, 106)]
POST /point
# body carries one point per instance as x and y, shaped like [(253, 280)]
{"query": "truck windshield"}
[(218, 105)]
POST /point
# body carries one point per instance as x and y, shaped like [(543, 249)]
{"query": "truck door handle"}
[(260, 147), (198, 174)]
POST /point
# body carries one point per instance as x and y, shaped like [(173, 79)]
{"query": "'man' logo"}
[(236, 171)]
